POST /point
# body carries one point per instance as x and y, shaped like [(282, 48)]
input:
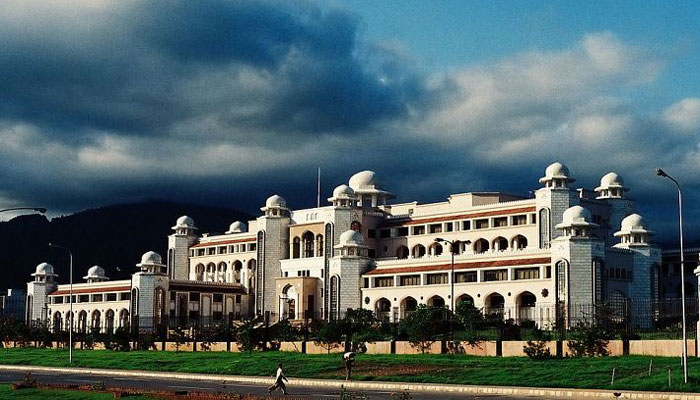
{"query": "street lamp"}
[(70, 301), (663, 174), (453, 249), (37, 209)]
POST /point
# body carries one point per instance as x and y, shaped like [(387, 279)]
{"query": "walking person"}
[(349, 359), (279, 381)]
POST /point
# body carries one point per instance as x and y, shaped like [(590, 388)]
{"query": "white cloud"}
[(684, 115)]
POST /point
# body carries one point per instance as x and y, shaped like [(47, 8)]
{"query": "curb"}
[(374, 386)]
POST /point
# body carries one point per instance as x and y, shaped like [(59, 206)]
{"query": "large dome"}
[(576, 214), (237, 227), (276, 201), (351, 238), (556, 170), (95, 272), (344, 191), (611, 180), (363, 180), (150, 258), (633, 222), (43, 269), (184, 222)]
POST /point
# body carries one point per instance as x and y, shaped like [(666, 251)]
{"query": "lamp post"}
[(70, 301), (663, 174), (453, 249)]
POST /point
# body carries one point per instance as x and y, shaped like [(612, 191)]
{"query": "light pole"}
[(70, 301), (663, 174), (453, 249)]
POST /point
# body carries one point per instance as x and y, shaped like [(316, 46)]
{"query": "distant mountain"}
[(113, 237)]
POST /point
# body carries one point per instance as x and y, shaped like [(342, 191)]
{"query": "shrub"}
[(147, 342), (537, 350), (423, 326)]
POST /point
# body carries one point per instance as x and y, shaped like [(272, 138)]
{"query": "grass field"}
[(631, 373), (50, 394)]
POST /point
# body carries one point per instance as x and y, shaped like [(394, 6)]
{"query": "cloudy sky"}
[(227, 102)]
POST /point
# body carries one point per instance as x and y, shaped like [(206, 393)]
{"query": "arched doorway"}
[(418, 251), (465, 297), (494, 303), (436, 301), (288, 302), (408, 305), (402, 252), (518, 242), (95, 321), (82, 321), (57, 322), (525, 303), (382, 308), (481, 246), (109, 321), (499, 244)]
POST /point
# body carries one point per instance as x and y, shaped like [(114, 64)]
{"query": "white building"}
[(513, 255)]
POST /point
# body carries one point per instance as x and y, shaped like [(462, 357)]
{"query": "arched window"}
[(418, 251), (436, 249), (95, 321), (237, 268), (296, 247), (109, 321), (334, 300), (319, 245), (308, 241), (199, 272), (481, 246), (545, 229), (499, 244), (561, 269), (518, 242), (402, 252), (57, 322)]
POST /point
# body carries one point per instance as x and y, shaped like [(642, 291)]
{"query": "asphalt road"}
[(214, 387)]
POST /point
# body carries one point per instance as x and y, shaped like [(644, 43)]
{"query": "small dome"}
[(343, 191), (363, 180), (633, 222), (611, 180), (150, 258), (184, 222), (44, 269), (576, 214), (237, 227), (96, 273), (276, 201), (556, 170), (351, 238)]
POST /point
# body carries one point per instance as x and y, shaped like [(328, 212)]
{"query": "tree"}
[(179, 337), (329, 335), (423, 326), (471, 319), (249, 336), (359, 326)]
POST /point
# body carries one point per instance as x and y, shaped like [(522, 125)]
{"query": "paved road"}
[(205, 386)]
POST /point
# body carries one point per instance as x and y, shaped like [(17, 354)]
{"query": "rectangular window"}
[(519, 220), (496, 275), (252, 246), (385, 233), (500, 222), (96, 297), (548, 271), (465, 277), (125, 296), (58, 300), (449, 227), (533, 218), (409, 280), (200, 252), (222, 249), (419, 230), (436, 279), (111, 297), (371, 233), (435, 228), (402, 231), (527, 273), (481, 224), (384, 282), (84, 298), (365, 282), (194, 296), (466, 225), (218, 297), (211, 251)]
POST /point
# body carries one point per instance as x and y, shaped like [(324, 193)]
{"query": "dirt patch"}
[(387, 370)]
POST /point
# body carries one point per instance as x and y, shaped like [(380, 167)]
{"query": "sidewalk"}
[(372, 385)]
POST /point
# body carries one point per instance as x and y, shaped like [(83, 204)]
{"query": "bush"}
[(423, 326), (147, 342), (120, 340), (537, 350)]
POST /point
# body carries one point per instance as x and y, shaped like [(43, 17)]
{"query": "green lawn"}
[(51, 394), (630, 372)]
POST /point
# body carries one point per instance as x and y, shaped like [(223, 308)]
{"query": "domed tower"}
[(237, 227), (343, 196), (37, 292), (612, 190), (646, 257), (367, 189), (95, 274), (273, 246), (578, 260), (552, 200), (149, 290), (345, 273), (179, 244)]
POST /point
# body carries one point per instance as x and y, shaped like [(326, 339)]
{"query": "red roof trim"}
[(466, 216), (210, 244), (109, 289), (471, 265)]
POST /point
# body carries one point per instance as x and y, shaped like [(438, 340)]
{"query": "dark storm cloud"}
[(142, 68)]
